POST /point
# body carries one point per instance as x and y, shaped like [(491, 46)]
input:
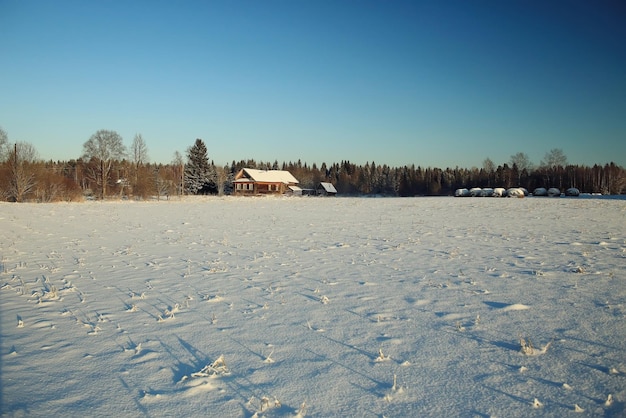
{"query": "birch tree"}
[(554, 158), (139, 155), (179, 165), (522, 161), (139, 151), (105, 147), (553, 164), (4, 145)]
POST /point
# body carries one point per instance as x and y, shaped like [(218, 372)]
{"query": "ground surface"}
[(316, 306)]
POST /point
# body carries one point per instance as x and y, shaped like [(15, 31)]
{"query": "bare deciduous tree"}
[(4, 145), (139, 154), (139, 151), (161, 184), (179, 163), (522, 162), (554, 158), (105, 147), (21, 172), (553, 167), (488, 165), (489, 168)]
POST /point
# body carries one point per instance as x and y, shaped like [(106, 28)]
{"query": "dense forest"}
[(108, 169)]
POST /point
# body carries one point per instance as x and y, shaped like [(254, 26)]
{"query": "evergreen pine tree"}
[(229, 179), (200, 176)]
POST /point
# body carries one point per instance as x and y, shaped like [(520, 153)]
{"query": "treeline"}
[(108, 169), (76, 180), (374, 179)]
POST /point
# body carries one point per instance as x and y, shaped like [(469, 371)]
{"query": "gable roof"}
[(266, 176), (328, 187)]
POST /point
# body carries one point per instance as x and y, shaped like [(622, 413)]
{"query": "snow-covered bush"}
[(528, 349), (217, 368), (381, 356), (301, 412)]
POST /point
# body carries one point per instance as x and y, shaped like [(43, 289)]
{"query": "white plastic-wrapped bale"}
[(554, 192), (462, 193), (540, 191), (476, 191), (487, 192), (499, 192), (515, 192)]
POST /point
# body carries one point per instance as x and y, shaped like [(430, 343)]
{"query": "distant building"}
[(249, 181), (326, 189)]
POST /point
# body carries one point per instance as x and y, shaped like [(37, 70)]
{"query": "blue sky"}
[(435, 83)]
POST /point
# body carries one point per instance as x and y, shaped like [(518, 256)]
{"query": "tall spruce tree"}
[(200, 175)]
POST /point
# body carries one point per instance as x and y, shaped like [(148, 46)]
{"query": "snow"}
[(277, 307), (281, 176)]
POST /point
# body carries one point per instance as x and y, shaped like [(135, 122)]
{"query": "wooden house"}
[(249, 181)]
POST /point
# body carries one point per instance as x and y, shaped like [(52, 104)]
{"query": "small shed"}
[(295, 191), (326, 189)]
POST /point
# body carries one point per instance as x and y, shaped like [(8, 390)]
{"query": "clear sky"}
[(430, 83)]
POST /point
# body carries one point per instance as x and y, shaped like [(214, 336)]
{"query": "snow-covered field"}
[(241, 307)]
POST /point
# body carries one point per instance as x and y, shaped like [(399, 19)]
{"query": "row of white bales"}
[(513, 192)]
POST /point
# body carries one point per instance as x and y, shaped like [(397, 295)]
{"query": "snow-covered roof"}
[(328, 187), (295, 189), (269, 176)]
